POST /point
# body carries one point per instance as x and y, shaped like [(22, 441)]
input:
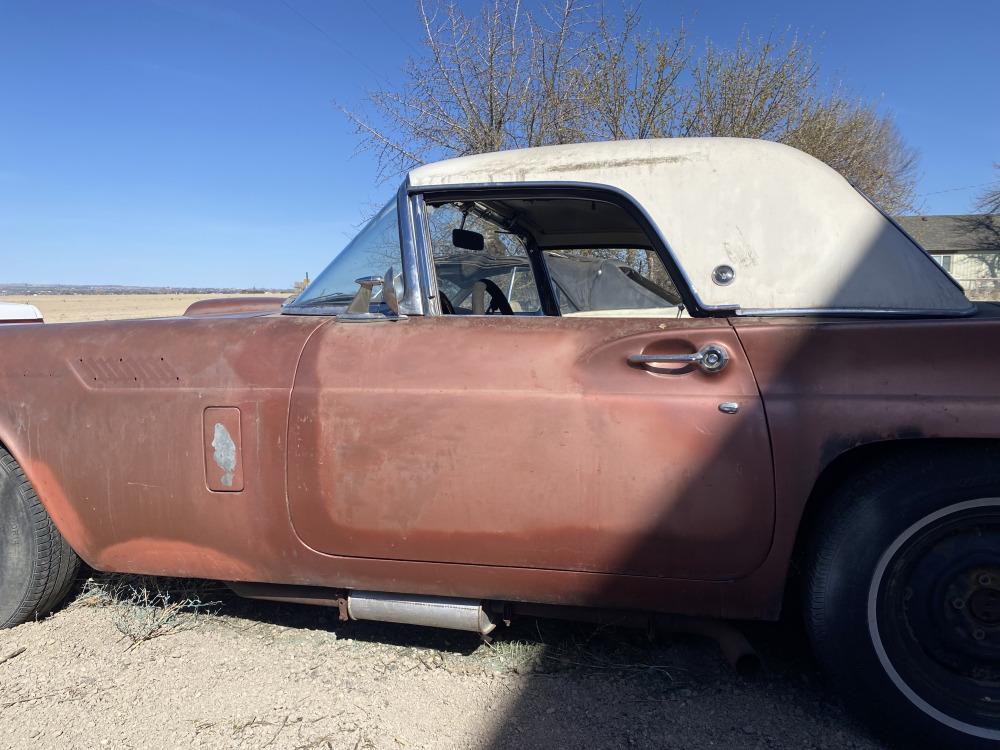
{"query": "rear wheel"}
[(37, 566), (903, 597)]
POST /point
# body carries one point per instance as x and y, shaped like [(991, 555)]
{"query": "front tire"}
[(37, 566), (902, 599)]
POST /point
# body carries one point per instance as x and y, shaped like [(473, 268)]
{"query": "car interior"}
[(547, 256)]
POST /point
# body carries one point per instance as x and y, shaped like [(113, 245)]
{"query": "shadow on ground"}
[(563, 683)]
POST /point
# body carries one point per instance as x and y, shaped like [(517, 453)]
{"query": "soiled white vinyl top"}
[(796, 233)]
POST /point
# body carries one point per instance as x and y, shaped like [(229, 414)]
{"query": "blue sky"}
[(178, 142)]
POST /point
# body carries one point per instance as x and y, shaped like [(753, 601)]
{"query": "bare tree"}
[(505, 80), (759, 89), (989, 201), (630, 82), (864, 146), (509, 78), (767, 88)]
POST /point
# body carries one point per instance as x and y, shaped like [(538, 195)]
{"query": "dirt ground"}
[(143, 664), (69, 308), (128, 672)]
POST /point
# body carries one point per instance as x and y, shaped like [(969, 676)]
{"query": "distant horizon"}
[(21, 289), (29, 287)]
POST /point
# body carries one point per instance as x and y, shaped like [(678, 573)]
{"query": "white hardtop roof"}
[(798, 236)]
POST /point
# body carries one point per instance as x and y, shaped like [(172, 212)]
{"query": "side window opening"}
[(598, 259), (466, 276), (601, 281)]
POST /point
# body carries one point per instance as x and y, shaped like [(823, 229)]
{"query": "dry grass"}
[(74, 308), (144, 607)]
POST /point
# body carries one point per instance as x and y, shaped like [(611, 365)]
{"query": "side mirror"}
[(363, 297), (392, 290)]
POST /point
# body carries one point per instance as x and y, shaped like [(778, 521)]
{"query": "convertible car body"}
[(657, 376)]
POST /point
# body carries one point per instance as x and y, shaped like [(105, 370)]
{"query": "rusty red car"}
[(690, 379)]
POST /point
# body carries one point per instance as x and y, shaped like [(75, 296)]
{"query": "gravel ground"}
[(117, 669)]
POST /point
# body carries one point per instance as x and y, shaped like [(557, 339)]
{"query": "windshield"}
[(371, 253)]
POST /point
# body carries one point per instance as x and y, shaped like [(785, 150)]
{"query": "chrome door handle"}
[(710, 358)]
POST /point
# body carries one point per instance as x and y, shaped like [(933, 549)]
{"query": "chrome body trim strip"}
[(855, 311)]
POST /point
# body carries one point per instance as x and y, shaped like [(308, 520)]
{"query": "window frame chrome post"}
[(424, 254), (413, 294)]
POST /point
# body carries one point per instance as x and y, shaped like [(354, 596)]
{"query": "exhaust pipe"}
[(435, 611), (408, 609), (470, 615), (733, 644)]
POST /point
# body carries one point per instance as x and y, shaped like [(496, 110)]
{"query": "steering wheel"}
[(498, 300), (446, 307)]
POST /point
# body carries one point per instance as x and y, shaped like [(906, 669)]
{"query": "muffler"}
[(435, 611)]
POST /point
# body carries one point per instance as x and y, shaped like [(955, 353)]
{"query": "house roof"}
[(796, 233), (945, 235)]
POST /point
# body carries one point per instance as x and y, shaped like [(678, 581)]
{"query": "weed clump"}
[(146, 607)]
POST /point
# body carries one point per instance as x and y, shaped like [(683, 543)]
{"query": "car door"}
[(531, 442)]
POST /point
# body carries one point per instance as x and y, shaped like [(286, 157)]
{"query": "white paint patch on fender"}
[(224, 453)]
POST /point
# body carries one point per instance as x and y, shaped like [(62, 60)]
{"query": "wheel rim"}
[(934, 615)]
